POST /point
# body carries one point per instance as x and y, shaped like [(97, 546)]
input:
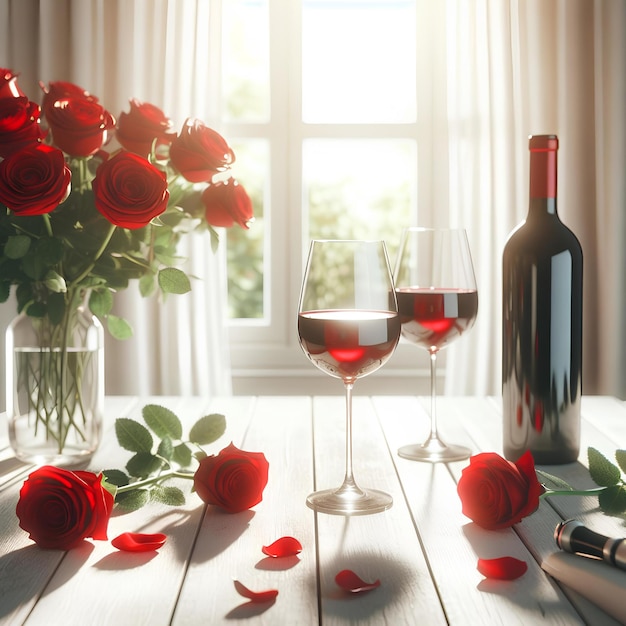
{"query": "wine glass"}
[(348, 327), (437, 303)]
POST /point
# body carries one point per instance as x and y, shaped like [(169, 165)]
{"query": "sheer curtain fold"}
[(153, 50)]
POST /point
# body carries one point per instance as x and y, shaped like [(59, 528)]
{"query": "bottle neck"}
[(543, 179), (542, 206)]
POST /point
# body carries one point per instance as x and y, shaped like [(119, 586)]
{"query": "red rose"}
[(199, 152), (59, 508), (19, 124), (138, 129), (129, 191), (34, 180), (80, 127), (58, 90), (233, 480), (8, 84), (496, 493), (227, 203)]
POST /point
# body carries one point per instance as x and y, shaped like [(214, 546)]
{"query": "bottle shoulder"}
[(544, 235)]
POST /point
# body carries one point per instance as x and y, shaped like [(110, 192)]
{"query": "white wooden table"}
[(423, 550)]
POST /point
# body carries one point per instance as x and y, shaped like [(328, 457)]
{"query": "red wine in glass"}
[(432, 318), (348, 344)]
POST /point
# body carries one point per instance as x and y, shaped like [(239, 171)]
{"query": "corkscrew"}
[(573, 536)]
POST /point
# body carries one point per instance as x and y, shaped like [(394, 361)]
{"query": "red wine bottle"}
[(542, 323)]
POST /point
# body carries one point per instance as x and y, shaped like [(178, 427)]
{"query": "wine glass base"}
[(338, 502), (434, 453)]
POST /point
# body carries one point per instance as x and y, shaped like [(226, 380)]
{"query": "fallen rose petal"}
[(255, 596), (504, 568), (138, 542), (349, 581), (285, 546)]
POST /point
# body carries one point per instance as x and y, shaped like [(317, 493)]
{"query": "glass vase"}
[(55, 387)]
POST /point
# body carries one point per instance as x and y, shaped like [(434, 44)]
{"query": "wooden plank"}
[(453, 544), (229, 546), (382, 546)]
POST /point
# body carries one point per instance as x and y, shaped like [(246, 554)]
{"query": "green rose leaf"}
[(16, 246), (100, 302), (5, 290), (172, 280), (182, 455), (167, 255), (166, 449), (116, 477), (50, 250), (143, 464), (552, 482), (133, 436), (119, 327), (208, 429), (132, 500), (147, 285), (620, 457), (603, 472), (172, 496), (162, 421), (613, 499)]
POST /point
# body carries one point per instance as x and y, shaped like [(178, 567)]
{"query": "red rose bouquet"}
[(88, 204)]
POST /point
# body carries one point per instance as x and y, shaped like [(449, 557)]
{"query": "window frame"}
[(265, 354)]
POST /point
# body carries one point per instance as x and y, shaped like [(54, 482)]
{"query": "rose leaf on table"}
[(159, 454)]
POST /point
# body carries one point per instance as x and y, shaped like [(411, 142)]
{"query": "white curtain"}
[(496, 72), (166, 53)]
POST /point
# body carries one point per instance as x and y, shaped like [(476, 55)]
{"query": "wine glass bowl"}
[(348, 327), (437, 303)]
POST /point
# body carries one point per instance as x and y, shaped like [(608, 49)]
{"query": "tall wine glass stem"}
[(349, 485), (434, 435)]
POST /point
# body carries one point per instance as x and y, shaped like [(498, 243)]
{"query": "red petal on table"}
[(504, 568), (285, 546), (138, 542), (349, 581), (255, 596)]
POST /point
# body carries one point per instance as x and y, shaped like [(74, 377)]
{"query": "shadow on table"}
[(31, 568), (396, 578), (249, 609)]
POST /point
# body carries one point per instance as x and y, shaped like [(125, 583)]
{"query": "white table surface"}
[(423, 550)]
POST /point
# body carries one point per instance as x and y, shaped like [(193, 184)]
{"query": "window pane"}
[(359, 189), (245, 62), (245, 247), (358, 61)]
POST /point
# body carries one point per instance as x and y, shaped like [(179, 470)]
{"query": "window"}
[(320, 106)]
